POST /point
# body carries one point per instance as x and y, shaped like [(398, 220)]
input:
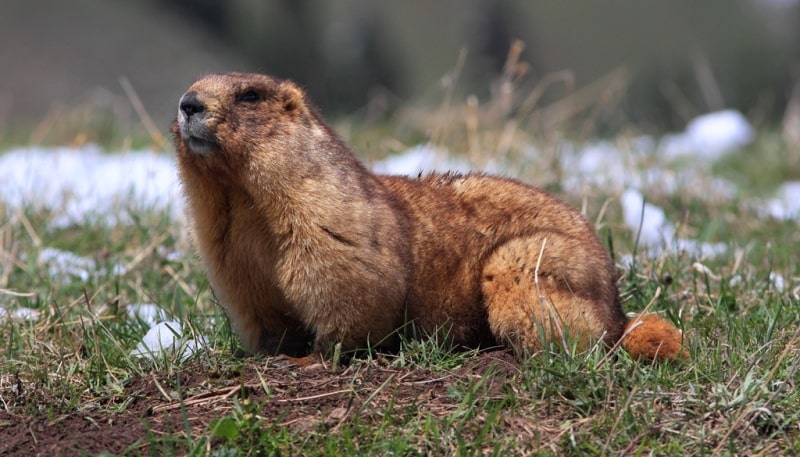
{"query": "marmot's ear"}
[(293, 98)]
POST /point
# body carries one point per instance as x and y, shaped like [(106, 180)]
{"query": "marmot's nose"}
[(190, 104)]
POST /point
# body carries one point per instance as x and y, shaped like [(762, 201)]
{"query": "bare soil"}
[(158, 405)]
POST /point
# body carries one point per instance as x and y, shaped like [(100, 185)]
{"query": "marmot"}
[(305, 247)]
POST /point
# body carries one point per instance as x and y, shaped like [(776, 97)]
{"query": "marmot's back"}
[(460, 221)]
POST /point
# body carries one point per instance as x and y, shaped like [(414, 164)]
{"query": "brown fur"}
[(649, 336), (303, 244)]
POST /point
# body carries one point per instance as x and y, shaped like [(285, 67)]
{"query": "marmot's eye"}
[(249, 96)]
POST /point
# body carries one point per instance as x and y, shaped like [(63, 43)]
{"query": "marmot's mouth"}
[(196, 136), (199, 145)]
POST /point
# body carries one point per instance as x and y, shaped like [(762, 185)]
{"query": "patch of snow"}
[(171, 255), (786, 203), (149, 313), (698, 249), (162, 336), (721, 187), (79, 184), (709, 137), (600, 158), (778, 281), (166, 339), (21, 313), (646, 220), (626, 260), (656, 234), (635, 164), (421, 159), (600, 163), (67, 265)]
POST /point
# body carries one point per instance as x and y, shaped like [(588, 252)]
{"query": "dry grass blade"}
[(147, 121), (205, 398)]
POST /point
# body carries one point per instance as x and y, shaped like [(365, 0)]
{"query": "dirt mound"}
[(163, 407)]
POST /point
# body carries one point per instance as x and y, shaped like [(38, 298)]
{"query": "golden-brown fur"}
[(304, 245)]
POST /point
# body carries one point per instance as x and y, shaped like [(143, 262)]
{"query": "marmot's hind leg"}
[(550, 289)]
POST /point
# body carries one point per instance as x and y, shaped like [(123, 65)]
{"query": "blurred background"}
[(672, 60)]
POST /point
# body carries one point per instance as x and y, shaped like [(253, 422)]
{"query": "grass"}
[(70, 370)]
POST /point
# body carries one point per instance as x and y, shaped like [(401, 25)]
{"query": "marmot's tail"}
[(649, 336)]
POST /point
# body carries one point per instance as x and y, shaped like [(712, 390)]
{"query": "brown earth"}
[(302, 400)]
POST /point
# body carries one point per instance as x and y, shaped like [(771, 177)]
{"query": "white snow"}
[(655, 233), (21, 313), (778, 281), (645, 220), (165, 336), (84, 183), (67, 266), (149, 313), (166, 339), (421, 159), (601, 163), (667, 166), (677, 162), (697, 249), (709, 136), (64, 264), (786, 203), (18, 313)]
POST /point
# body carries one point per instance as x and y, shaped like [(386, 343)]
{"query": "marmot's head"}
[(236, 113)]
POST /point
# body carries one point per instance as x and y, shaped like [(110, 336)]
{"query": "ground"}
[(319, 401)]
